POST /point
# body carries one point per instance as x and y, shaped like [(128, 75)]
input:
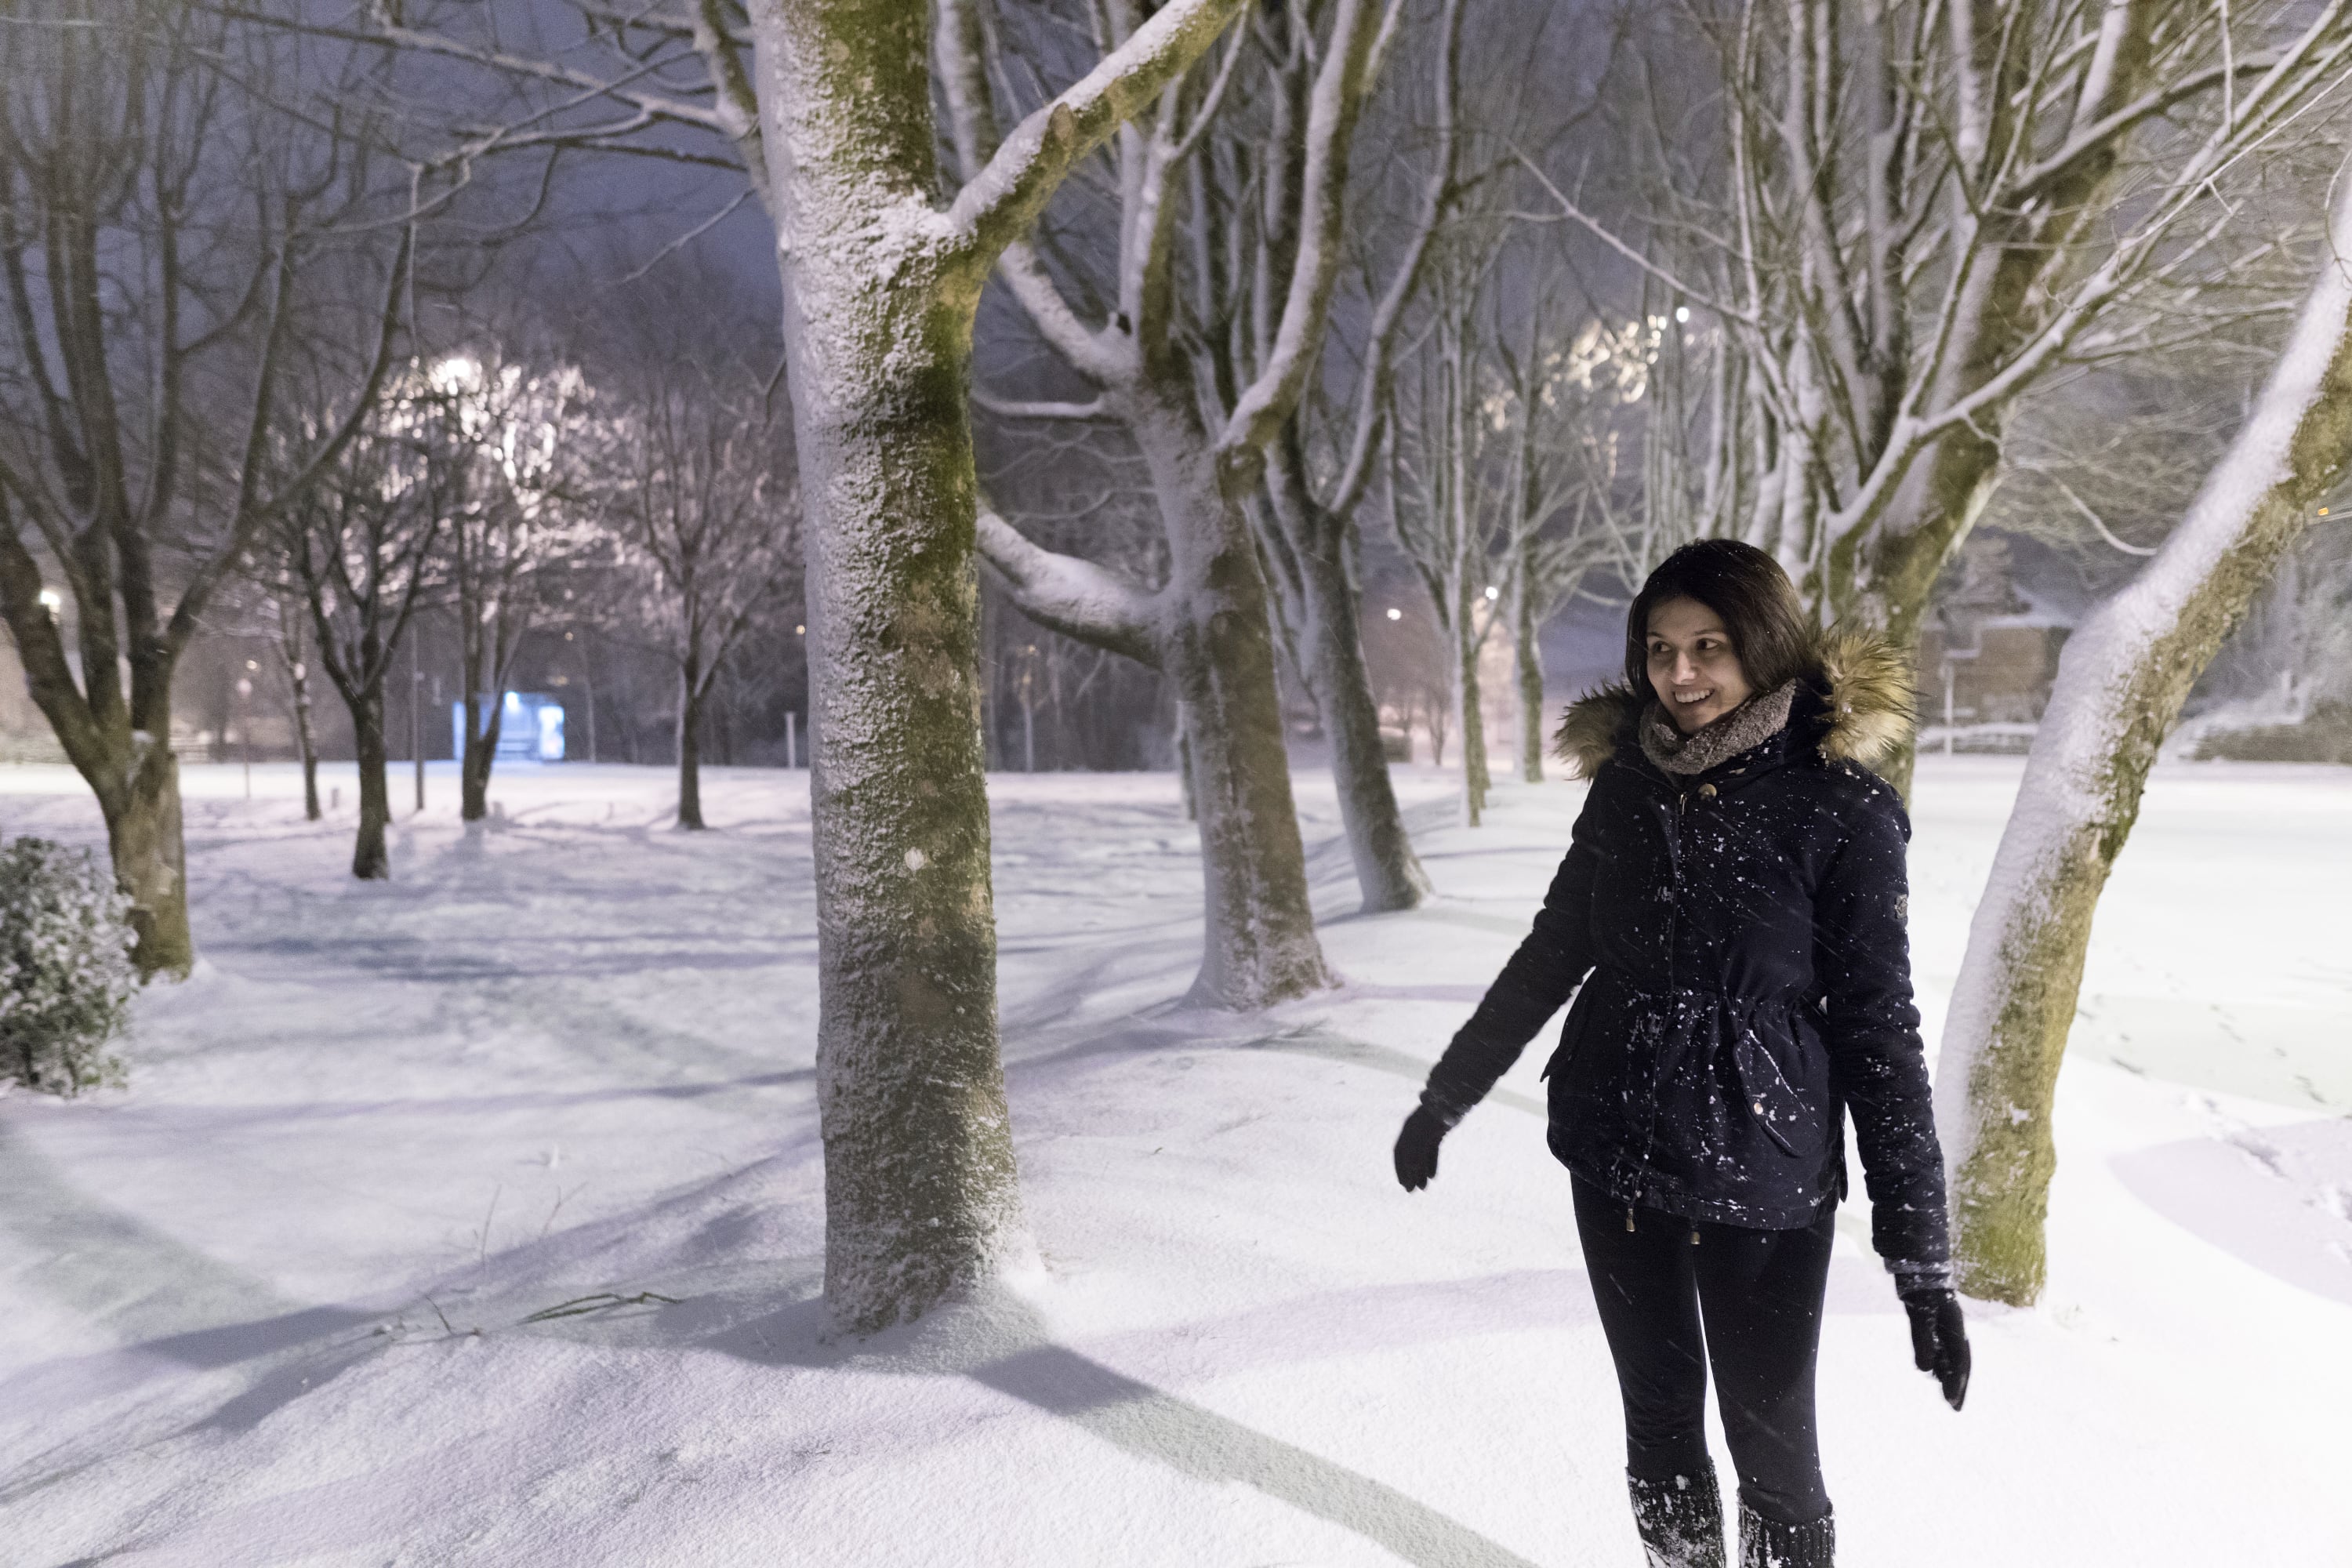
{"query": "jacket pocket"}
[(1773, 1102)]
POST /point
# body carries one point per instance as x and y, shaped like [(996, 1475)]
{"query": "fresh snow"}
[(267, 1305)]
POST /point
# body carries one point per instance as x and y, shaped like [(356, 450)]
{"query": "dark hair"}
[(1769, 632)]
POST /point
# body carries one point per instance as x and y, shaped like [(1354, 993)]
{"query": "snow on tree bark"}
[(1388, 873), (880, 288), (1310, 534), (2120, 686), (1209, 627), (1216, 644)]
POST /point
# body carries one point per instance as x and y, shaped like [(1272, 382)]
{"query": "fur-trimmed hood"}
[(1864, 705)]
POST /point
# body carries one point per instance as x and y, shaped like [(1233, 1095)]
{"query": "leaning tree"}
[(2121, 683)]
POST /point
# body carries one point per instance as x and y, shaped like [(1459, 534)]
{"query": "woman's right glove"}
[(1416, 1149), (1939, 1329)]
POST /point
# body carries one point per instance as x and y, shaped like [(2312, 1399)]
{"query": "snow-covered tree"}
[(1911, 212), (361, 550), (514, 442), (2121, 682), (1442, 444), (1324, 462), (826, 106), (1128, 335), (696, 485)]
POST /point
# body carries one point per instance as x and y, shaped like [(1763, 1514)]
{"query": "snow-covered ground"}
[(286, 1298)]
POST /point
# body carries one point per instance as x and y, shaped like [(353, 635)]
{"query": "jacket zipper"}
[(1674, 916)]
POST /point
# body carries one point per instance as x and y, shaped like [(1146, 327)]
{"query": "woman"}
[(1735, 887)]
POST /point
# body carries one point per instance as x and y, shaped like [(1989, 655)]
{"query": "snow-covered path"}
[(273, 1304)]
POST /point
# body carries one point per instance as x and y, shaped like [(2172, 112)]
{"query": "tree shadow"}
[(997, 1340)]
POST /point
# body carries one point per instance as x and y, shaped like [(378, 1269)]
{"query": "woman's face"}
[(1693, 667)]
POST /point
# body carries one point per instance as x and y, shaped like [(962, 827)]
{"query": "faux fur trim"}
[(1873, 698), (1869, 710), (1590, 730)]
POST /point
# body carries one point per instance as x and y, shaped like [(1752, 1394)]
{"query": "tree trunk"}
[(481, 751), (1388, 873), (1528, 656), (1475, 780), (689, 748), (920, 1192), (2121, 683), (1216, 644), (143, 837), (1184, 764), (306, 736), (371, 861)]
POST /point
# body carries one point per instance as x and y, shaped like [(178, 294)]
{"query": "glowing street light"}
[(1395, 615), (52, 601), (1493, 591), (1682, 312), (456, 373)]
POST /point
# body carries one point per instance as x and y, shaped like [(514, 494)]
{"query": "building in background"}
[(1988, 655), (529, 731)]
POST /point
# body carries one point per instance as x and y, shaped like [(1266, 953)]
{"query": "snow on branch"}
[(1075, 597), (1017, 409), (1004, 198), (1340, 86), (2120, 686)]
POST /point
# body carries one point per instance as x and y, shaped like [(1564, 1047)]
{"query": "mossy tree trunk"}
[(880, 288), (2121, 683), (1215, 642)]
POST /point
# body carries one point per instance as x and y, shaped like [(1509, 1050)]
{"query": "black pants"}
[(1759, 1293)]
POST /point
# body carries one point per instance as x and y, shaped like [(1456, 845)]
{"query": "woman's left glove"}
[(1416, 1149), (1939, 1336)]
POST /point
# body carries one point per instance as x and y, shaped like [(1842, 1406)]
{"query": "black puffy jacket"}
[(1750, 977)]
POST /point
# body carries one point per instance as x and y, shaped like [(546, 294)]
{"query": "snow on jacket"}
[(1750, 981)]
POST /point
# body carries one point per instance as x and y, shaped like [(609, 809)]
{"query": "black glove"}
[(1940, 1338), (1416, 1149)]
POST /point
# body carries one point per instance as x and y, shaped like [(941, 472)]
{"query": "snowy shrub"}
[(66, 977)]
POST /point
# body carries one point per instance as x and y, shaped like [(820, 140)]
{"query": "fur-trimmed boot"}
[(1768, 1544), (1680, 1520)]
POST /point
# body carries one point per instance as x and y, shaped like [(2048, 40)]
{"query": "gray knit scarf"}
[(1751, 723)]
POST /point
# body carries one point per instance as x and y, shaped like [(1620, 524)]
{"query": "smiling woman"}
[(1692, 664), (1736, 889)]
